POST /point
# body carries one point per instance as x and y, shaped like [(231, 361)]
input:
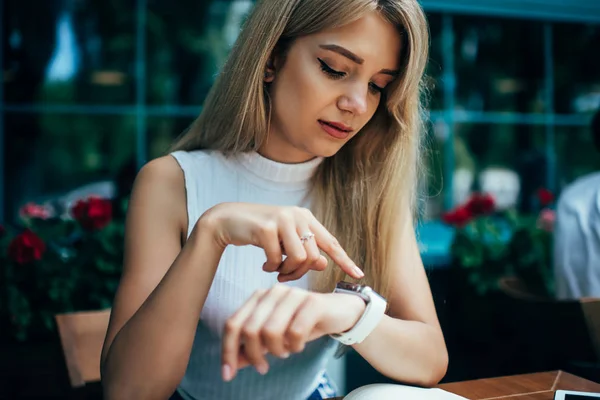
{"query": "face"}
[(328, 88)]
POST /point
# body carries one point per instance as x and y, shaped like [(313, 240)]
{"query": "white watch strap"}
[(370, 318)]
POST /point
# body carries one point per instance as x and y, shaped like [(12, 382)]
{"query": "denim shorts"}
[(325, 390)]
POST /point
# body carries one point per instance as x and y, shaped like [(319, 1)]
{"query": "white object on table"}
[(389, 391), (575, 395)]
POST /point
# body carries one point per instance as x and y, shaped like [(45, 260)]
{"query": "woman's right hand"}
[(290, 231)]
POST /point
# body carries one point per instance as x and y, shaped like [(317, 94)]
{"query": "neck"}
[(283, 153)]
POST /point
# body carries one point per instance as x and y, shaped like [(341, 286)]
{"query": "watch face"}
[(355, 287)]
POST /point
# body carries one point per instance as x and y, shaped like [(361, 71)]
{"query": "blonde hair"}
[(365, 192)]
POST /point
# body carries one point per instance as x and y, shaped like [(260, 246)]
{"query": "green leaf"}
[(112, 285), (20, 312), (48, 319), (105, 266)]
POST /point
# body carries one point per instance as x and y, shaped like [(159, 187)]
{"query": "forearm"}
[(407, 351), (149, 355)]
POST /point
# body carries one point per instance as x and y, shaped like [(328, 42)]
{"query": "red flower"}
[(546, 220), (545, 197), (480, 204), (458, 217), (32, 210), (93, 214), (26, 247)]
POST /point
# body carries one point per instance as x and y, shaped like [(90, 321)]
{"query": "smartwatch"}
[(374, 311)]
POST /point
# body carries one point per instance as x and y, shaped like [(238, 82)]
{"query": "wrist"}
[(373, 311), (205, 234), (208, 228), (355, 308)]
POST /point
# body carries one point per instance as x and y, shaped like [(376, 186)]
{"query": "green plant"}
[(53, 264), (491, 244)]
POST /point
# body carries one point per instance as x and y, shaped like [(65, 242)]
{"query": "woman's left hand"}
[(281, 321)]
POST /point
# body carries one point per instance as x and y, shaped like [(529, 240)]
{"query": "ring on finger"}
[(305, 237)]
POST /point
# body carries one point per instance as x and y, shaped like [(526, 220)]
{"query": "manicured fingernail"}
[(285, 355), (359, 272), (262, 369), (226, 372)]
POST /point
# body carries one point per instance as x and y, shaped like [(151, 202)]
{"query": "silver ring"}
[(307, 236)]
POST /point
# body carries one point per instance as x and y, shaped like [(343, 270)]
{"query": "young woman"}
[(301, 167)]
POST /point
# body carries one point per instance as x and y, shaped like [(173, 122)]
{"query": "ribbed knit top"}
[(210, 179)]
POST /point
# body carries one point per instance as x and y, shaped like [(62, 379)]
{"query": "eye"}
[(330, 71), (375, 89)]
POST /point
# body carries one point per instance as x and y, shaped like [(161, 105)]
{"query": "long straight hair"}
[(364, 193)]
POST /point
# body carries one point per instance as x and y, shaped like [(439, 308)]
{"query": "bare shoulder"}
[(164, 170), (160, 185)]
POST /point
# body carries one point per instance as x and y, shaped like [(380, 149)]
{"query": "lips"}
[(335, 129), (337, 125)]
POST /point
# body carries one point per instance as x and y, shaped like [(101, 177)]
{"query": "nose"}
[(354, 99)]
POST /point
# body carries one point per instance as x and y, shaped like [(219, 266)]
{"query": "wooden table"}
[(538, 386)]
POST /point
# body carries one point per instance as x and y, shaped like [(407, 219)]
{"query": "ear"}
[(270, 70)]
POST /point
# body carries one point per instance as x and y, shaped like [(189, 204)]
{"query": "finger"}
[(276, 326), (269, 241), (320, 265), (231, 337), (330, 245), (242, 361), (310, 245), (301, 326), (252, 330), (314, 259), (313, 256), (295, 275), (295, 252)]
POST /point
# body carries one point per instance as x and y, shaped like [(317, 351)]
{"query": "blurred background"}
[(91, 90)]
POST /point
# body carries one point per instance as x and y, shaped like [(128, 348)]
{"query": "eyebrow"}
[(353, 57)]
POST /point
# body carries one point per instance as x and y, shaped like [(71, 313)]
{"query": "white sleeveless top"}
[(210, 179)]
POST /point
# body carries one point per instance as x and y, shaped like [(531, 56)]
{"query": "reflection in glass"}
[(431, 184), (187, 43), (434, 67), (576, 154), (576, 67), (69, 52), (499, 64), (162, 131), (51, 155)]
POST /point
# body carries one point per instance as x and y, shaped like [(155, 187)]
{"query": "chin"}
[(324, 148), (325, 151)]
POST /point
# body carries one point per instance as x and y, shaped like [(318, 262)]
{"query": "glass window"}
[(49, 155), (575, 152), (506, 160), (79, 53), (499, 64), (434, 67), (432, 183), (187, 43), (162, 132), (576, 67)]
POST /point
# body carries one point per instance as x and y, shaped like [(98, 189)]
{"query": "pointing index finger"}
[(330, 245)]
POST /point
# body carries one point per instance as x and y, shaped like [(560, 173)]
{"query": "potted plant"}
[(491, 244), (55, 264)]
